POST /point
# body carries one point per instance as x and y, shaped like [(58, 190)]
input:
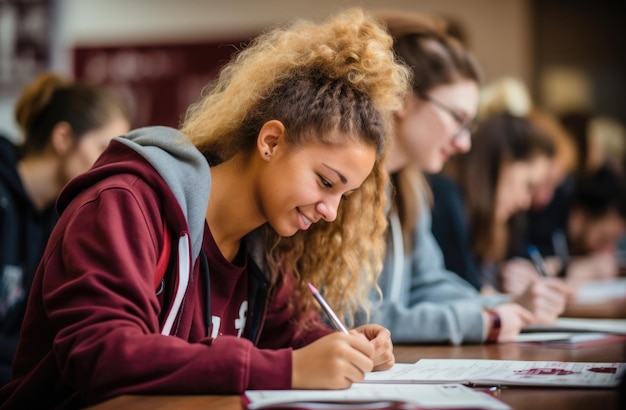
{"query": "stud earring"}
[(266, 153)]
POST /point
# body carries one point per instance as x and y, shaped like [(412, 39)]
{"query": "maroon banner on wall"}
[(157, 82)]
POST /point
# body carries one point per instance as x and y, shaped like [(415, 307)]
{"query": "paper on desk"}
[(567, 324), (601, 290), (568, 340), (449, 396), (571, 337), (503, 372)]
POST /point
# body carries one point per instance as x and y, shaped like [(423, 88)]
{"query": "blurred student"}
[(65, 127), (424, 303), (592, 225), (585, 199), (493, 182), (274, 181)]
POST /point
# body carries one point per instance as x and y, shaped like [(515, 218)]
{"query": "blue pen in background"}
[(538, 260), (559, 243)]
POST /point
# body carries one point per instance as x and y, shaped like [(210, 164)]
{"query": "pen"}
[(333, 317), (559, 243), (537, 259)]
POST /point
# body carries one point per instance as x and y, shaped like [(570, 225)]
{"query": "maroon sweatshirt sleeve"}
[(99, 297)]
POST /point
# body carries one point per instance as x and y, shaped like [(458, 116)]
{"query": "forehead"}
[(352, 158), (521, 172), (462, 95)]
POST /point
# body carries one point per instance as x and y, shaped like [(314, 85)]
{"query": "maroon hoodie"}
[(95, 328)]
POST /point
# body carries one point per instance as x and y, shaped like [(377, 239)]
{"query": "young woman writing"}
[(272, 182)]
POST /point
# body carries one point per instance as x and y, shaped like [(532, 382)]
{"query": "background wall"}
[(498, 29), (571, 53)]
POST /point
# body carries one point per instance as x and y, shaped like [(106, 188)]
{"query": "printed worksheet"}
[(503, 372)]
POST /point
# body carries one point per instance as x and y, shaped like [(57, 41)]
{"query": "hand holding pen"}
[(334, 361), (376, 334), (540, 263)]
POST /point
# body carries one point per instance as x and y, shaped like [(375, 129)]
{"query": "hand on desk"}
[(334, 361), (597, 266), (512, 318)]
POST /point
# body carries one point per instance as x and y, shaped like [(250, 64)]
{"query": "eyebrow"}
[(343, 179)]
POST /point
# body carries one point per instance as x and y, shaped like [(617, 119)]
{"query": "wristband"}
[(496, 324)]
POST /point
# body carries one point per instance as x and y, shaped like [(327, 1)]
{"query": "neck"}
[(39, 176), (233, 209), (396, 159)]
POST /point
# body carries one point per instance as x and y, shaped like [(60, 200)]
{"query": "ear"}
[(62, 138), (271, 135)]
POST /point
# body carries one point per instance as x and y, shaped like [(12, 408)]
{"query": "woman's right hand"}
[(545, 298), (517, 275), (334, 361), (512, 318)]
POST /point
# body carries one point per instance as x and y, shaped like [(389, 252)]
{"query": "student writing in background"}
[(574, 217), (493, 182), (423, 302), (593, 223), (65, 127), (273, 181), (586, 205)]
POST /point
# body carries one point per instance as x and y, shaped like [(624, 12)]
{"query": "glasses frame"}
[(468, 125)]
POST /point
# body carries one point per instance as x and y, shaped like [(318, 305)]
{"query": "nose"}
[(328, 207), (463, 141)]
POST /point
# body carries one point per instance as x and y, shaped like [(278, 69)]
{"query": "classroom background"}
[(158, 54)]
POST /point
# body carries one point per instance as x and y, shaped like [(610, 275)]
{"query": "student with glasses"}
[(422, 301), (465, 124)]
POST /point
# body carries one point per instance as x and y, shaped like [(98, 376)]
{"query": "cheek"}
[(418, 135), (282, 187)]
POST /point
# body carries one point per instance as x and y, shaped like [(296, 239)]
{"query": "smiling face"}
[(301, 185), (427, 131)]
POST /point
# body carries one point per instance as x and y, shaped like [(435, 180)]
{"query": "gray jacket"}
[(422, 301)]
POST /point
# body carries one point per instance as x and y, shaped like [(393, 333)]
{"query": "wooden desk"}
[(517, 397), (612, 309)]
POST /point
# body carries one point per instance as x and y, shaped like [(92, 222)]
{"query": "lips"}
[(304, 223)]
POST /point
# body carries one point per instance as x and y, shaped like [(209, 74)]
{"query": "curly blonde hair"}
[(339, 75)]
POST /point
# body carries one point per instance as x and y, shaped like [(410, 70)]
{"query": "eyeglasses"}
[(464, 124)]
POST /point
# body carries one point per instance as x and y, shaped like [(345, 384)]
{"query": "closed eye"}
[(326, 183)]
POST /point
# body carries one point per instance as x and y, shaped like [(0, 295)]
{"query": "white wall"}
[(498, 29)]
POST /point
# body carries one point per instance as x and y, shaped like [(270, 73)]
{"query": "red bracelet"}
[(496, 324)]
